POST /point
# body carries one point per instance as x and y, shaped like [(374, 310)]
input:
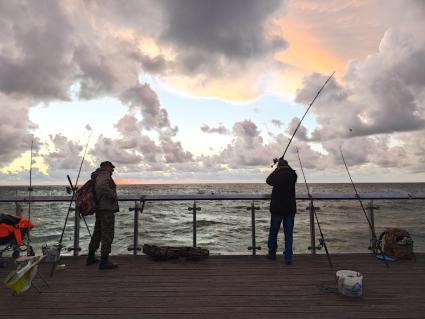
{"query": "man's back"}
[(283, 180)]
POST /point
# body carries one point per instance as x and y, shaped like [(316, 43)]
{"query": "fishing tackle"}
[(363, 209), (73, 188), (275, 160), (322, 240)]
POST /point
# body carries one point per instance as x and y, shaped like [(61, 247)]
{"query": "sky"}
[(200, 91)]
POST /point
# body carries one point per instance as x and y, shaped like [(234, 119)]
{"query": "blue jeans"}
[(288, 229)]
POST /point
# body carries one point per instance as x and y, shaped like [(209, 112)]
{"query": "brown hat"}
[(107, 163)]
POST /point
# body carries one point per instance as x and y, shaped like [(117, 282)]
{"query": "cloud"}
[(66, 154), (134, 148), (173, 152), (221, 129), (36, 43), (381, 94), (246, 149), (192, 37), (301, 133), (143, 98), (15, 127), (278, 123), (115, 151), (210, 31)]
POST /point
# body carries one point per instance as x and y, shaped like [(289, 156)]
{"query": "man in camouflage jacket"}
[(107, 206)]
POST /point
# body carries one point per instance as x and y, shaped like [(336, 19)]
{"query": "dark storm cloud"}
[(210, 36), (15, 125), (35, 42), (233, 28)]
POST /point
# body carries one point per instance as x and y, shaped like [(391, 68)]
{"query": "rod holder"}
[(194, 209), (254, 246), (372, 240), (138, 208), (312, 209), (76, 249)]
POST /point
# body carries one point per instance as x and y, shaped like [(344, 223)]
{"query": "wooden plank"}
[(222, 286)]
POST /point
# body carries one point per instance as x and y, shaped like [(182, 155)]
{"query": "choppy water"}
[(224, 227)]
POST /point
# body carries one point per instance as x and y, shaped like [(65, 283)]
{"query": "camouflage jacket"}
[(105, 190)]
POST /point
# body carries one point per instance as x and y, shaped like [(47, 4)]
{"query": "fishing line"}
[(29, 249), (363, 209), (275, 160), (322, 241), (59, 246)]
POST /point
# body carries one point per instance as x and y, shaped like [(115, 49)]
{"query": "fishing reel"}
[(275, 161)]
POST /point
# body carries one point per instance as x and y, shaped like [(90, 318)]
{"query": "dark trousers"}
[(288, 229), (104, 229)]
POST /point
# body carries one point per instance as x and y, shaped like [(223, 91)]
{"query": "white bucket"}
[(350, 283)]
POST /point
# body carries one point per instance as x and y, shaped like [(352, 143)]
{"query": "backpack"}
[(396, 242), (85, 199)]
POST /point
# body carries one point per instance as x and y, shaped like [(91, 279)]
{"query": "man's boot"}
[(91, 258), (106, 264)]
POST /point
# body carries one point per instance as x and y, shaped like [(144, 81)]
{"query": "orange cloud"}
[(306, 54)]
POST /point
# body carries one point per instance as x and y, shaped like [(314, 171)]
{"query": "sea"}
[(224, 227)]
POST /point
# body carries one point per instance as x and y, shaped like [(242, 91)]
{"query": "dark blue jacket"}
[(283, 180)]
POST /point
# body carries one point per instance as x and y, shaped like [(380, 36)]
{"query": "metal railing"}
[(140, 200)]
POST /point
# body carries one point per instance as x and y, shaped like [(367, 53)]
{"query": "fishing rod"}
[(59, 245), (275, 160), (363, 209), (30, 252), (74, 189), (322, 240)]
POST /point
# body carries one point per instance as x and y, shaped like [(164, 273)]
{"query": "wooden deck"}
[(222, 287)]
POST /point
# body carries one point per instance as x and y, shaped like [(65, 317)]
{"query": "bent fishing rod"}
[(275, 160), (322, 240), (59, 246), (363, 209)]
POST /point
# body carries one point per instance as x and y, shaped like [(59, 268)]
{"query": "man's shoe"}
[(106, 264), (288, 262), (91, 259), (271, 257)]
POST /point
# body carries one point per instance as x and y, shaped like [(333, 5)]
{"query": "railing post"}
[(372, 242), (135, 248), (194, 209), (254, 245), (76, 248), (311, 208)]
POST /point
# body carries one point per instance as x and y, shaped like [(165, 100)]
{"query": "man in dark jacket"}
[(107, 206), (283, 208)]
